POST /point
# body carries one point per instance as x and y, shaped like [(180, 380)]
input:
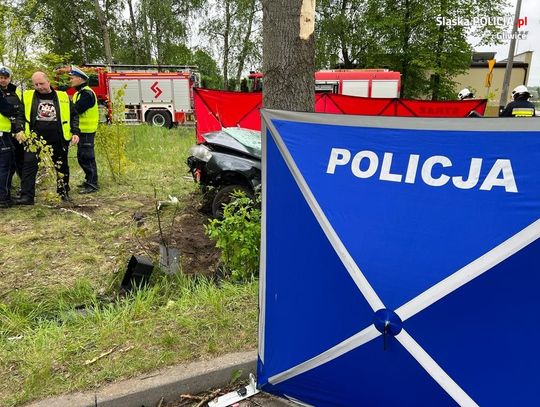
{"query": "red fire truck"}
[(372, 83), (159, 95)]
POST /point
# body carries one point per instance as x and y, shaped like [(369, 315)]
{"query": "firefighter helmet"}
[(520, 92), (465, 94)]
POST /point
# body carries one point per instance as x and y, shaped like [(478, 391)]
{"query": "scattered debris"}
[(191, 397), (107, 353), (211, 396), (138, 217), (77, 213), (89, 362), (237, 395)]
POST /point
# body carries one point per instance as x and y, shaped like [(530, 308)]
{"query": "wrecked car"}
[(228, 160)]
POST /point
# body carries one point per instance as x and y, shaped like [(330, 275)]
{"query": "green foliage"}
[(403, 35), (238, 235), (208, 68), (48, 169), (111, 139), (234, 27)]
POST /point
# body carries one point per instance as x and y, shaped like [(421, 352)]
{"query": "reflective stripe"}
[(88, 121), (63, 116), (523, 112), (5, 123)]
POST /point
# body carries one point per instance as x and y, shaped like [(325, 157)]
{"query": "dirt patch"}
[(197, 252)]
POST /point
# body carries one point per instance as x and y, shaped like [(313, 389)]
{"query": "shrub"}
[(111, 139), (238, 235)]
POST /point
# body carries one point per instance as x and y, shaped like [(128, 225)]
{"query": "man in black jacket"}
[(51, 116), (7, 110), (520, 106), (13, 96)]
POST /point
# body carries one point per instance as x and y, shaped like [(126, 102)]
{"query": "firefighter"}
[(86, 105), (520, 106), (51, 116), (13, 96), (465, 94)]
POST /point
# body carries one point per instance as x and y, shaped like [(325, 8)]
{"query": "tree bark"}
[(406, 53), (133, 29), (226, 46), (104, 28), (289, 55), (244, 51), (146, 31)]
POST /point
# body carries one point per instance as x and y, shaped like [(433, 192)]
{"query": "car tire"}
[(159, 118), (223, 197)]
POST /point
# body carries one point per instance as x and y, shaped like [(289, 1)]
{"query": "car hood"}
[(243, 141)]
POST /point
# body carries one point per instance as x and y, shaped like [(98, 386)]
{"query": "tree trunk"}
[(289, 54), (226, 46), (104, 28), (146, 31), (133, 30), (83, 44), (347, 63), (244, 51), (436, 78), (406, 53)]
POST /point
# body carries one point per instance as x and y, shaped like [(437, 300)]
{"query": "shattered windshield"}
[(248, 138)]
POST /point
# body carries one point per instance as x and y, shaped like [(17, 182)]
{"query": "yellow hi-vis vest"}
[(5, 123), (63, 116), (88, 121)]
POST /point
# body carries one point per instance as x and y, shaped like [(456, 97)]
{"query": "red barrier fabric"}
[(216, 109)]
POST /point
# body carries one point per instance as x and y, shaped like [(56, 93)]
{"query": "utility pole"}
[(510, 59)]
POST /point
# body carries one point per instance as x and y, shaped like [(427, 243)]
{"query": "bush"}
[(238, 235), (111, 139)]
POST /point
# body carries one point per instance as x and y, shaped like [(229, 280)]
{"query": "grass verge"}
[(62, 328)]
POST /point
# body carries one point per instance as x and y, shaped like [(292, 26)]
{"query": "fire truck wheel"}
[(223, 197), (159, 118)]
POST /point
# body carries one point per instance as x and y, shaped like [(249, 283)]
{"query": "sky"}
[(531, 10)]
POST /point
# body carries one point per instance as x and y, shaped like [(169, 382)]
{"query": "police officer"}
[(13, 96), (86, 105), (7, 110), (51, 115), (520, 106)]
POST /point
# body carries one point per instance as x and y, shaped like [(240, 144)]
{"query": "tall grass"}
[(62, 325)]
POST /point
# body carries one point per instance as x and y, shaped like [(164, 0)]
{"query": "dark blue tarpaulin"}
[(400, 260)]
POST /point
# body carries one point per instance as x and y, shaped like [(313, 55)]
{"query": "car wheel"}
[(223, 197), (159, 118)]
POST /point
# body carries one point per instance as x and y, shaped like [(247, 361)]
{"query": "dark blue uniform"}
[(6, 154)]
